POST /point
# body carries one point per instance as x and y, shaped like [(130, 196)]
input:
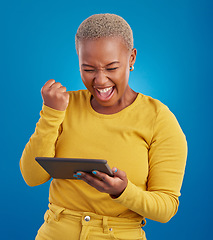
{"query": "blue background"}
[(174, 64)]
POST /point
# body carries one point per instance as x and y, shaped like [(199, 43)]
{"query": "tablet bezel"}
[(64, 168)]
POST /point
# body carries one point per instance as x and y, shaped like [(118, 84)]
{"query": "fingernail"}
[(79, 174), (78, 178), (94, 172), (116, 170), (75, 175)]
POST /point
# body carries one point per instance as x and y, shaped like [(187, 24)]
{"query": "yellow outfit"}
[(65, 224), (144, 140)]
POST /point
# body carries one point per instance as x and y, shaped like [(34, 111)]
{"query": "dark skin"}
[(105, 63), (104, 67)]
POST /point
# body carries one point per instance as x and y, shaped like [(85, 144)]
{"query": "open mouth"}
[(104, 94)]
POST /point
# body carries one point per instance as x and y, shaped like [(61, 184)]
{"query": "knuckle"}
[(103, 178), (112, 184), (57, 93), (64, 96), (50, 92), (90, 180), (58, 84), (123, 174)]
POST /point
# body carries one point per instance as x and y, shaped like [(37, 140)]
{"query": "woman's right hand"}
[(55, 95)]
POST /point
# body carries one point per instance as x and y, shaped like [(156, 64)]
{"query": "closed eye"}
[(93, 70), (111, 69), (89, 70)]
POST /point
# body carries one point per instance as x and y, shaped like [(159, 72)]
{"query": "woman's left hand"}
[(104, 183)]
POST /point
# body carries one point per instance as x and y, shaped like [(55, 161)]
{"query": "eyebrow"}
[(112, 63), (87, 65)]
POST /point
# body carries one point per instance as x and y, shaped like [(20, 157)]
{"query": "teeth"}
[(104, 90)]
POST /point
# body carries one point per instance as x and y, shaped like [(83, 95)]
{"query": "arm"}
[(42, 143), (167, 159)]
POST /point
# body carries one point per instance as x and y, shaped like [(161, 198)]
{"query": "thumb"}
[(118, 173)]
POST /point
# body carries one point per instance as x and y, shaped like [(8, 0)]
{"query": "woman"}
[(138, 136)]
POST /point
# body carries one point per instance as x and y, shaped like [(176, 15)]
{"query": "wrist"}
[(116, 195)]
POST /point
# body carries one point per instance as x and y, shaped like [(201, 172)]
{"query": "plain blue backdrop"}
[(174, 64)]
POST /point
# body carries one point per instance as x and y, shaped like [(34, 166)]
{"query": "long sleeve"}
[(41, 144), (144, 140), (167, 159)]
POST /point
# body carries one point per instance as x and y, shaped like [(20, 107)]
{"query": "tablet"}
[(64, 168)]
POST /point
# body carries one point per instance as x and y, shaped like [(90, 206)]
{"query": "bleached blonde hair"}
[(104, 25)]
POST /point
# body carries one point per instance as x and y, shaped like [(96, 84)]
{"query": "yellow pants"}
[(64, 224)]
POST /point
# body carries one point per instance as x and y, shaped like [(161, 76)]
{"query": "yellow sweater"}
[(144, 140)]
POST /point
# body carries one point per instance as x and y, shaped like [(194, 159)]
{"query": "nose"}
[(100, 78)]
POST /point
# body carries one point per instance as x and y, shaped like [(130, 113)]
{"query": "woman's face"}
[(104, 66)]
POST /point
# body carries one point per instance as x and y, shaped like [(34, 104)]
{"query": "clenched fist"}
[(54, 95)]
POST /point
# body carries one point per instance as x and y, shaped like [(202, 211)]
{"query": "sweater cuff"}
[(129, 192), (52, 113)]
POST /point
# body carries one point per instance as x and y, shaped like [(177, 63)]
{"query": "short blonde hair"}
[(104, 25)]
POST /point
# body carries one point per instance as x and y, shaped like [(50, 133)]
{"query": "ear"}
[(132, 58)]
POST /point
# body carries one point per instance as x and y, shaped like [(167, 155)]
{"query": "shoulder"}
[(79, 94), (79, 97), (164, 121), (151, 105), (78, 100), (157, 114)]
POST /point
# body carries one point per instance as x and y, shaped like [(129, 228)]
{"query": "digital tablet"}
[(64, 168)]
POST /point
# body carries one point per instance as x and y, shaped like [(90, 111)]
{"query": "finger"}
[(91, 180), (56, 85), (118, 173), (102, 176), (62, 89), (48, 84)]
